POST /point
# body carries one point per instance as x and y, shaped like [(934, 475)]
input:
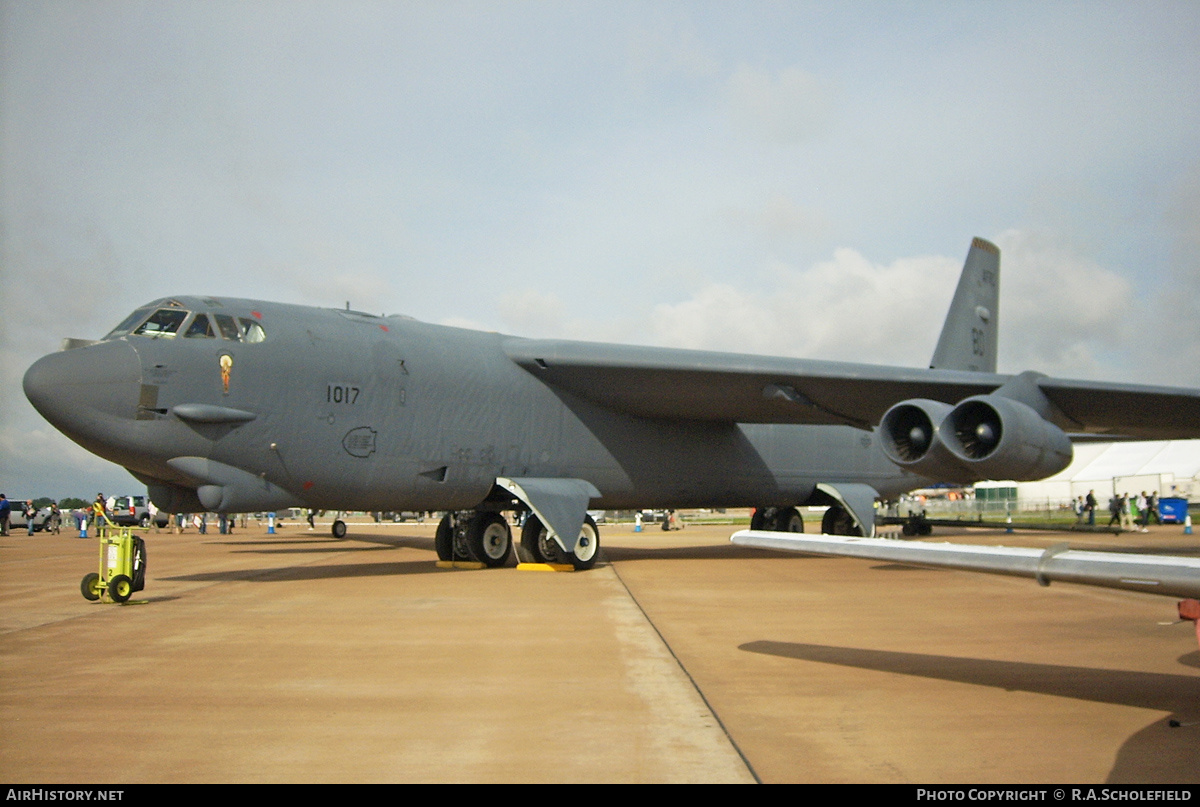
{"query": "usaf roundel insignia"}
[(359, 442)]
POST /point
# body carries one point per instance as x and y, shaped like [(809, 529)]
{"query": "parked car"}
[(129, 511), (407, 515), (16, 518)]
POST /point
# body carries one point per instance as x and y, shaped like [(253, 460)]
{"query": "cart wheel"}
[(90, 587), (120, 588)]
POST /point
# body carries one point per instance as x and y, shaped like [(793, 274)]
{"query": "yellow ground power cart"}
[(122, 566)]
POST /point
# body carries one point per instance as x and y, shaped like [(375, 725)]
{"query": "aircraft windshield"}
[(174, 320), (128, 323), (251, 330), (163, 322), (200, 328)]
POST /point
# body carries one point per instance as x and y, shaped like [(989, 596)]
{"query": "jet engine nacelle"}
[(999, 438), (910, 435), (172, 498), (984, 437)]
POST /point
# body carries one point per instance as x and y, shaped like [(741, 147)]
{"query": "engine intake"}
[(910, 433), (984, 437), (999, 438)]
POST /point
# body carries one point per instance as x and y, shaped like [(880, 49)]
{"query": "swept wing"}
[(700, 385)]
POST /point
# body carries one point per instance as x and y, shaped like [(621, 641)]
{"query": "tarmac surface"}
[(294, 657)]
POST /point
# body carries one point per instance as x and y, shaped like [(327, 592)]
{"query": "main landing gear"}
[(539, 547), (485, 537), (473, 535), (777, 519), (836, 521)]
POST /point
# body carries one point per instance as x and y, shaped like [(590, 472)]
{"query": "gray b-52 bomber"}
[(236, 405)]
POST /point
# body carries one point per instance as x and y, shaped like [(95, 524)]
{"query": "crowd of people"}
[(1124, 510), (105, 512), (52, 522)]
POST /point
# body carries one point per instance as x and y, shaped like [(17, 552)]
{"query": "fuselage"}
[(289, 405)]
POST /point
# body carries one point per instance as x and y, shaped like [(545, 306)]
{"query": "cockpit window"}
[(251, 330), (128, 323), (163, 322), (175, 319), (228, 327), (200, 328)]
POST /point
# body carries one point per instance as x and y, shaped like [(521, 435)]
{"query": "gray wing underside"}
[(700, 385), (1154, 574)]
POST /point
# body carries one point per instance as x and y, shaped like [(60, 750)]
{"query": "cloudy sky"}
[(798, 179)]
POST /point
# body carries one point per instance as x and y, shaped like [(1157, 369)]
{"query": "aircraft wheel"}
[(523, 546), (91, 587), (536, 540), (443, 540), (489, 539), (537, 544), (758, 521), (587, 548), (788, 519), (339, 529), (838, 522), (120, 588)]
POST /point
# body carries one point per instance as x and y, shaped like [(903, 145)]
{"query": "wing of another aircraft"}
[(695, 385), (1154, 574)]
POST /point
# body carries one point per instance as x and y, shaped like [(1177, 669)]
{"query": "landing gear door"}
[(858, 500), (560, 504)]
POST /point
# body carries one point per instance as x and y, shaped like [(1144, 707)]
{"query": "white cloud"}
[(1061, 313), (532, 312), (846, 309)]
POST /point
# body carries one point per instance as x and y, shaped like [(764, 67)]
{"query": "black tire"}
[(537, 543), (144, 521), (339, 529), (489, 539), (443, 539), (521, 546), (758, 521), (536, 540), (90, 587), (838, 522), (788, 519), (120, 588)]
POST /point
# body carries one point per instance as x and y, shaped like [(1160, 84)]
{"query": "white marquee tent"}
[(1171, 467)]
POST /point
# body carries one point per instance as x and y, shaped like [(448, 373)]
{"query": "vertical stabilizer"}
[(968, 340)]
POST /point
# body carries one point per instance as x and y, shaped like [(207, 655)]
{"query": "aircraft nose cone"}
[(82, 390)]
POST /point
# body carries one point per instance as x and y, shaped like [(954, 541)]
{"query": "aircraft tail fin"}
[(969, 336)]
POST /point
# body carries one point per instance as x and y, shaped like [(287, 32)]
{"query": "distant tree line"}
[(68, 503)]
